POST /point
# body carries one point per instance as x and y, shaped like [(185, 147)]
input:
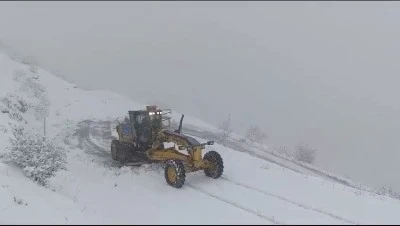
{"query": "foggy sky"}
[(323, 73)]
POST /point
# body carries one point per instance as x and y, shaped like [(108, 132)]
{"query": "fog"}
[(323, 73)]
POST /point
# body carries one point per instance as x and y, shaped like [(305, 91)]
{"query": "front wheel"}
[(217, 164), (175, 173)]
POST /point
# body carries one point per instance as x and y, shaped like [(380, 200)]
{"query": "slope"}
[(95, 190)]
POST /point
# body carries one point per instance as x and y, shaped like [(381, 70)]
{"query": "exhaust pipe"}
[(180, 125)]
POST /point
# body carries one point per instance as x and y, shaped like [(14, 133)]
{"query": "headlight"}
[(151, 113)]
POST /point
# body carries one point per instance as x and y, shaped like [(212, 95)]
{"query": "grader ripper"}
[(141, 141)]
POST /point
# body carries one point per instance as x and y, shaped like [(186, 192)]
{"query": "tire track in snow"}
[(238, 146), (290, 201), (317, 172), (270, 219), (89, 147), (86, 130), (84, 137)]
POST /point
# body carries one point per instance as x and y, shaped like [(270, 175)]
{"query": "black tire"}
[(124, 153), (114, 149), (177, 180), (214, 158)]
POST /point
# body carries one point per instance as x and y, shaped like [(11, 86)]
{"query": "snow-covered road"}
[(265, 206)]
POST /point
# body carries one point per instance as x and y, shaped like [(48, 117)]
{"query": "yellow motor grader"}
[(141, 140)]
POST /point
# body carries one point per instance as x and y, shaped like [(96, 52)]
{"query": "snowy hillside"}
[(256, 188)]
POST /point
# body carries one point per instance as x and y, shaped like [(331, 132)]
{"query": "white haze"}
[(324, 73)]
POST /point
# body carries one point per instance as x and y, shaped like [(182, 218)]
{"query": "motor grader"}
[(141, 140)]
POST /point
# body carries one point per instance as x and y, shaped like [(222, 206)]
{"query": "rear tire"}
[(215, 158), (175, 174), (115, 146), (124, 153)]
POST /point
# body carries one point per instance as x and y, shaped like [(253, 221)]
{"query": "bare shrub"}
[(386, 190), (304, 153), (283, 150), (255, 134), (226, 129)]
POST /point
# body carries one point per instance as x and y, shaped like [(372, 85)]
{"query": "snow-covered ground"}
[(256, 188)]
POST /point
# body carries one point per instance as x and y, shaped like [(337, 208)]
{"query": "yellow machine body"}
[(152, 150)]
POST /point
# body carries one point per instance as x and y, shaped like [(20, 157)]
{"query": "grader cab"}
[(141, 140)]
